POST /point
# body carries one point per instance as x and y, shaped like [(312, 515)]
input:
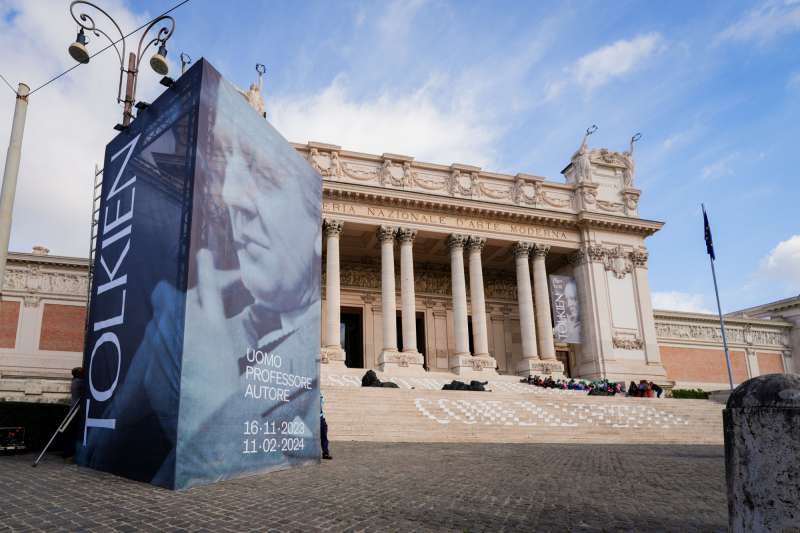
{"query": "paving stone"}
[(396, 487)]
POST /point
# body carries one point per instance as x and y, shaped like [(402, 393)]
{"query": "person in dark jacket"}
[(71, 432), (323, 431)]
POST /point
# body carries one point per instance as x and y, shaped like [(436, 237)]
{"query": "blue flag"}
[(709, 241)]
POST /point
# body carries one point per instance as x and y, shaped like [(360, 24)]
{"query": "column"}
[(456, 244), (541, 296), (525, 301), (407, 296), (477, 299), (332, 351), (386, 236)]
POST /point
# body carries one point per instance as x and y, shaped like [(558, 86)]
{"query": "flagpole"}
[(710, 250), (722, 325)]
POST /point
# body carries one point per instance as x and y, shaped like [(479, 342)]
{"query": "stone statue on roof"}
[(630, 167), (253, 94), (580, 159)]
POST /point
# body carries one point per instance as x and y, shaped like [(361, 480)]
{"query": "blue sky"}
[(714, 87)]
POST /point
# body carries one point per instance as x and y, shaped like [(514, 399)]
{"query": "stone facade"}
[(434, 268)]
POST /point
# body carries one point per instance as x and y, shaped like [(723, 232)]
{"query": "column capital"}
[(540, 250), (332, 226), (577, 258), (386, 233), (476, 243), (456, 240), (639, 257), (406, 235), (522, 249)]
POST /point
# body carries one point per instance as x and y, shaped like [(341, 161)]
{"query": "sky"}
[(714, 88)]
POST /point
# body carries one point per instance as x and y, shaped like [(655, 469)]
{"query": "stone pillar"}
[(650, 341), (332, 352), (386, 236), (407, 296), (461, 359), (480, 335), (476, 296), (544, 324), (525, 301), (410, 356), (762, 454)]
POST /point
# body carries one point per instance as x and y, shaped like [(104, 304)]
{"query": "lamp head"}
[(77, 50), (159, 61)]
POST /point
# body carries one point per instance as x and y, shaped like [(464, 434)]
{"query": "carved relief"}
[(33, 279), (618, 262), (335, 167), (742, 335), (639, 257), (524, 193), (627, 343), (611, 207)]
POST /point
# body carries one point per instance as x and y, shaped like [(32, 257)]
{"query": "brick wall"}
[(770, 363), (9, 318), (62, 328), (704, 365)]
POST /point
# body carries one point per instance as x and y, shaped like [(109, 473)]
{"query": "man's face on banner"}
[(571, 297), (274, 234)]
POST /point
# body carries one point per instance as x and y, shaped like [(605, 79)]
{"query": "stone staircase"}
[(419, 411)]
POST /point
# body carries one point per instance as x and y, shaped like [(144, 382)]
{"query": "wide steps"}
[(533, 415)]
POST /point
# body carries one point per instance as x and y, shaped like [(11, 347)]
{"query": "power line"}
[(9, 85), (51, 80)]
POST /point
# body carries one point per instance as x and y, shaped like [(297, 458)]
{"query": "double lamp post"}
[(80, 53)]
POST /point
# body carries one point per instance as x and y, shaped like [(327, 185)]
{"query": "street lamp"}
[(158, 62)]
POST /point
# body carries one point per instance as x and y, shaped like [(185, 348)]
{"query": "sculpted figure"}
[(627, 158), (385, 172), (583, 167), (253, 94), (408, 175), (335, 170)]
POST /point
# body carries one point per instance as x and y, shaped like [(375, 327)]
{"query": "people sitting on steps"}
[(598, 387), (370, 379)]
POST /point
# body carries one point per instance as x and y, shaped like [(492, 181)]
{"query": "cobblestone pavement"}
[(395, 487)]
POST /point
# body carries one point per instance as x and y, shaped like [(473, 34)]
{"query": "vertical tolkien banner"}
[(202, 352), (566, 309)]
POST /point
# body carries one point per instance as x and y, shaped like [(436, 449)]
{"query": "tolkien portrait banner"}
[(566, 309), (203, 344)]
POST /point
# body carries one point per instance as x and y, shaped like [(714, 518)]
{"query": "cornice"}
[(632, 225), (714, 319), (50, 260)]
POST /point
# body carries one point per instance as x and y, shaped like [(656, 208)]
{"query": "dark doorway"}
[(352, 337), (420, 325)]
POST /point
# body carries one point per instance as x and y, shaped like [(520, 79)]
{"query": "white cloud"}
[(614, 60), (69, 122), (782, 264), (680, 301), (764, 23), (720, 168), (416, 123)]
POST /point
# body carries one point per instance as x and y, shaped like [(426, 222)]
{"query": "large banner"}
[(203, 346), (566, 309)]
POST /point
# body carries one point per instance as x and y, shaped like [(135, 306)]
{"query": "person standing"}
[(323, 430), (71, 431)]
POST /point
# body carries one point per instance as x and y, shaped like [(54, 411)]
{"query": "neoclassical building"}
[(449, 268)]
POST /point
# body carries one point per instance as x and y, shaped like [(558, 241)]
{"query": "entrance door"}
[(352, 337)]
